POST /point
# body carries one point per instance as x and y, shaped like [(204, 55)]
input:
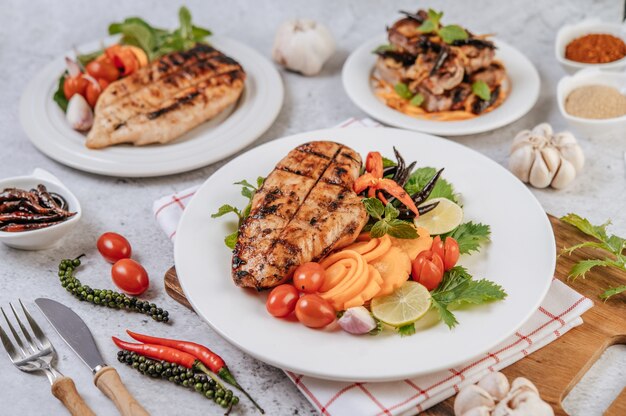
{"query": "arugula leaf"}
[(417, 100), (420, 177), (470, 236), (481, 89), (136, 33), (457, 288), (85, 58), (583, 224), (581, 268), (612, 292), (184, 17), (406, 330), (451, 33), (225, 209), (59, 94), (231, 240), (403, 90)]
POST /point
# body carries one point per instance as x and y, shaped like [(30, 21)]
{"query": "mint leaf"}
[(451, 33), (403, 90), (417, 100), (401, 229), (231, 240), (379, 229), (420, 177), (406, 330), (391, 212), (470, 236), (374, 207), (225, 209), (481, 89)]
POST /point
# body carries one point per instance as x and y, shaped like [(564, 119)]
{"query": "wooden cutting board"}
[(556, 368)]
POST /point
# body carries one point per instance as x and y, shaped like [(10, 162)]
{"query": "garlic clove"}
[(521, 139), (574, 154), (478, 411), (564, 138), (79, 115), (552, 158), (470, 397), (521, 161), (564, 176), (540, 176), (534, 406), (542, 130), (496, 384), (522, 383), (303, 45)]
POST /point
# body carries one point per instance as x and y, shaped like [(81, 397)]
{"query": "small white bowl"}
[(44, 237), (570, 32), (596, 128)]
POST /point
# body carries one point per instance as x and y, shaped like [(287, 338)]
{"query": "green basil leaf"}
[(450, 33), (428, 26), (417, 100), (403, 90), (481, 89), (434, 15)]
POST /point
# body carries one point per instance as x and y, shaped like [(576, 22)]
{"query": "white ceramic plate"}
[(210, 142), (521, 258), (524, 84)]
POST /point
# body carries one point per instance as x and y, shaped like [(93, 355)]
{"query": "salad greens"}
[(421, 176), (469, 236), (481, 89), (387, 220), (449, 33)]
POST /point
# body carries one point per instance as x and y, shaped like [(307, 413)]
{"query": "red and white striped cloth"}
[(560, 311)]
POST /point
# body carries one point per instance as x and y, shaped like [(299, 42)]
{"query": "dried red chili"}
[(596, 48)]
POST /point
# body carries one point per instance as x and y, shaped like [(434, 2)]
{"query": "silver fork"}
[(36, 355)]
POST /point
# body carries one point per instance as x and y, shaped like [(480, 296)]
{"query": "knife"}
[(76, 334)]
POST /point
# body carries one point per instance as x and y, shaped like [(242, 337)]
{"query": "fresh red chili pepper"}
[(213, 361), (158, 352)]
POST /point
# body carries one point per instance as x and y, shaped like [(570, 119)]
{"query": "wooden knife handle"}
[(110, 383), (64, 389)]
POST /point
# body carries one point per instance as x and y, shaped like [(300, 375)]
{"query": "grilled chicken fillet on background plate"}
[(305, 209), (166, 98)]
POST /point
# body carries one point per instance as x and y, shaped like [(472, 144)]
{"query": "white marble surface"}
[(33, 32)]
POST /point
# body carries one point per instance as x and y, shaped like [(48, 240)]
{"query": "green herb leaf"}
[(387, 163), (379, 229), (85, 58), (420, 177), (481, 89), (583, 224), (225, 209), (401, 229), (613, 291), (446, 316), (391, 212), (231, 240), (428, 26), (384, 48), (248, 192), (184, 17), (581, 268), (259, 182), (434, 15), (137, 33), (244, 183), (470, 236), (379, 327), (450, 33), (199, 33), (403, 90), (59, 94), (417, 100), (406, 330), (374, 207)]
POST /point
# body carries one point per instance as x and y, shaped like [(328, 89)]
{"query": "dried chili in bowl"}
[(596, 48)]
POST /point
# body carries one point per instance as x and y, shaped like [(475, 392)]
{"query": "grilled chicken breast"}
[(167, 98), (305, 209)]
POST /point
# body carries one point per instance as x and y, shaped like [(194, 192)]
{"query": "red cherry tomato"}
[(113, 247), (130, 277), (282, 300), (314, 312), (92, 93), (309, 277), (123, 58), (437, 247), (427, 269), (451, 256), (103, 69), (74, 85)]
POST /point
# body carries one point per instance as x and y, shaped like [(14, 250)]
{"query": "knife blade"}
[(75, 332)]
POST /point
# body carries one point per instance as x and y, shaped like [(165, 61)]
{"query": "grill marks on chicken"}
[(167, 98), (305, 209)]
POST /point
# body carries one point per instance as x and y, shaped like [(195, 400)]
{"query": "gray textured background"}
[(34, 32)]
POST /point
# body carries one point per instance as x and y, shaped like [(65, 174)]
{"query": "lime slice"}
[(444, 218), (405, 305)]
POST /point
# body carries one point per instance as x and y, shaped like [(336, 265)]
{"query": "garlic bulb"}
[(542, 158), (79, 115), (303, 45), (357, 321)]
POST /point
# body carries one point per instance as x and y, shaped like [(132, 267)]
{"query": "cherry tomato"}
[(103, 69), (314, 312), (282, 300), (92, 93), (74, 85), (427, 269), (437, 247), (113, 247), (451, 253), (130, 277), (309, 277)]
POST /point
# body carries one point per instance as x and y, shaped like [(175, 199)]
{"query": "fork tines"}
[(26, 345)]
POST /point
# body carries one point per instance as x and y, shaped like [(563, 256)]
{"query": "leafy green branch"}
[(386, 220)]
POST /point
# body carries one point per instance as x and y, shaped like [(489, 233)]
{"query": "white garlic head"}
[(496, 384), (470, 397), (303, 45), (542, 158)]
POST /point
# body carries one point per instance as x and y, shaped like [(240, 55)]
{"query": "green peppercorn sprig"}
[(180, 375), (105, 297)]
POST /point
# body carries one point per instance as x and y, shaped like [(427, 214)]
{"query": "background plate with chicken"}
[(521, 258), (231, 130), (443, 102)]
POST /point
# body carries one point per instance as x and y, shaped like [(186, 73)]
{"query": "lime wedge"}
[(444, 218), (406, 305)]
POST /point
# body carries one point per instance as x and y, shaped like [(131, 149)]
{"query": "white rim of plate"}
[(319, 372), (523, 77), (230, 131)]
